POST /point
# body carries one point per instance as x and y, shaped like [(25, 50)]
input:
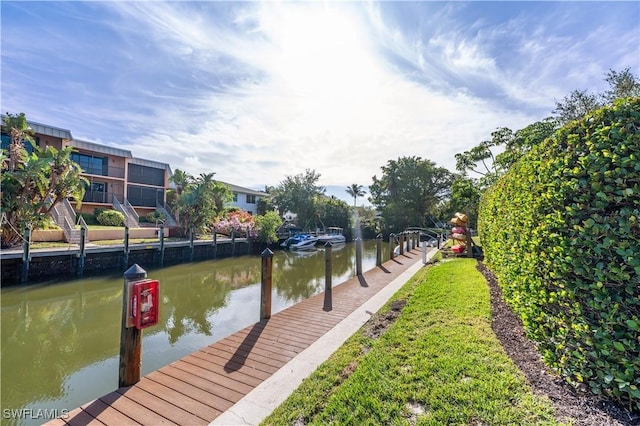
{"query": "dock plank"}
[(201, 386)]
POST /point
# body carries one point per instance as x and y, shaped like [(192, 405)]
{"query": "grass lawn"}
[(438, 363)]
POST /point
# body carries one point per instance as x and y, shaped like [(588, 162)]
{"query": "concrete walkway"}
[(267, 396)]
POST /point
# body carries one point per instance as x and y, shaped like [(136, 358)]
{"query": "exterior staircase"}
[(65, 217), (131, 218), (170, 219)]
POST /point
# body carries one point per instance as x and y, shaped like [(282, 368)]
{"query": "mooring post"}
[(81, 255), (215, 242), (359, 256), (378, 249), (26, 256), (328, 269), (126, 246), (265, 288), (161, 245), (191, 244), (401, 244), (392, 238), (130, 336), (233, 242)]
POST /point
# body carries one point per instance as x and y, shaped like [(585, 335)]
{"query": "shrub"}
[(156, 217), (90, 219), (561, 232), (110, 218), (267, 226)]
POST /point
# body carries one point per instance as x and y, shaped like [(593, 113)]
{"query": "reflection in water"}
[(60, 342)]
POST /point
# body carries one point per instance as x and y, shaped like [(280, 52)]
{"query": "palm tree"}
[(355, 191), (181, 179)]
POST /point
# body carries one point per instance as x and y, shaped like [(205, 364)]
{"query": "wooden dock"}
[(201, 386)]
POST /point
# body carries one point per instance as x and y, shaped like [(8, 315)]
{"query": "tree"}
[(180, 179), (622, 84), (409, 189), (267, 226), (355, 191), (575, 105), (578, 103), (513, 146), (300, 194), (200, 201), (33, 184)]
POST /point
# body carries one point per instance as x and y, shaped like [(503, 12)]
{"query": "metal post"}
[(358, 256), (130, 337), (424, 252), (191, 244), (392, 238), (265, 288), (378, 249), (161, 245), (81, 255), (26, 256), (126, 246), (248, 242)]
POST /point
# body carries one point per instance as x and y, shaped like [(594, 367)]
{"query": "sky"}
[(257, 91)]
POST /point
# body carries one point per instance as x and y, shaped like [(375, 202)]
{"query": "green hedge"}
[(561, 232), (110, 218)]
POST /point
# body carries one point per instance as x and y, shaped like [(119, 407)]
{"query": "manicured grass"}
[(438, 363)]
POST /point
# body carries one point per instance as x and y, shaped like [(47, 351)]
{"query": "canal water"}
[(60, 340)]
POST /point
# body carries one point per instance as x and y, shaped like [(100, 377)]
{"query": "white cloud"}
[(258, 91)]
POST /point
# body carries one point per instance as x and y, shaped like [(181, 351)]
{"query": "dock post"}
[(328, 269), (215, 242), (161, 245), (81, 255), (130, 337), (233, 242), (26, 256), (191, 244), (392, 238), (401, 244), (328, 277), (126, 246), (378, 249), (265, 288), (359, 257)]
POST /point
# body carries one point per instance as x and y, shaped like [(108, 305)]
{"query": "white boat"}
[(305, 244), (333, 235)]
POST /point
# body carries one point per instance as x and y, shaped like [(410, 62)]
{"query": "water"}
[(60, 341)]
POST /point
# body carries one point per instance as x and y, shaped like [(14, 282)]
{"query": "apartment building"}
[(117, 179)]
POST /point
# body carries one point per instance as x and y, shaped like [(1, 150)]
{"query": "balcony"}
[(99, 197), (109, 171)]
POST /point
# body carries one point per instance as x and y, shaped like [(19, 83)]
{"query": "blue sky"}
[(258, 91)]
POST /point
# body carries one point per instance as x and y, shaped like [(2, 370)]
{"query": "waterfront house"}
[(244, 198)]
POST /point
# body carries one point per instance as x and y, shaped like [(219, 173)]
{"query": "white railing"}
[(132, 211), (130, 221)]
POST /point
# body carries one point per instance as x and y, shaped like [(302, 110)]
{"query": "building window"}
[(143, 196), (251, 199), (91, 164), (6, 142), (235, 197), (146, 175)]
